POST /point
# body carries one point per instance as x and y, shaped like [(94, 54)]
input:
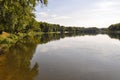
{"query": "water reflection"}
[(15, 63), (79, 58), (114, 35)]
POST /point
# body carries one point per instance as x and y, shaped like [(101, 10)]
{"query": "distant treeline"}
[(114, 27), (46, 27)]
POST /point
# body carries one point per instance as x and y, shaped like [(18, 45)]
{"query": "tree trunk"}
[(0, 31)]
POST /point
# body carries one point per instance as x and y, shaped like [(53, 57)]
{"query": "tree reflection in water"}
[(114, 35), (15, 63)]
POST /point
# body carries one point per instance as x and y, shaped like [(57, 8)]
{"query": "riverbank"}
[(7, 39)]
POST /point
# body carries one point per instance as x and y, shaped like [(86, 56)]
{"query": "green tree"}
[(15, 15), (114, 27)]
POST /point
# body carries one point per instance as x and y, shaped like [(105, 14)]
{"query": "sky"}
[(80, 13)]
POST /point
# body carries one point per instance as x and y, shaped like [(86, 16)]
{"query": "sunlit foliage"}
[(15, 15)]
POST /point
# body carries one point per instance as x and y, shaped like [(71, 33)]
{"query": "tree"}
[(62, 29), (32, 26), (15, 15), (114, 27), (1, 29)]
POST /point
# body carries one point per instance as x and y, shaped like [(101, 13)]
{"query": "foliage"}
[(18, 17), (47, 27), (15, 15), (114, 27)]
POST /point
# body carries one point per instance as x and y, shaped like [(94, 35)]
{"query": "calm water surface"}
[(56, 57), (79, 58)]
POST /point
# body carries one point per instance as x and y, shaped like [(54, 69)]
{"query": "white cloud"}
[(63, 17), (107, 5), (43, 14), (59, 17), (54, 15), (99, 13), (48, 10)]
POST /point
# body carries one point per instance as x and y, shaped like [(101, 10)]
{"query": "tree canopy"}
[(15, 15), (114, 27)]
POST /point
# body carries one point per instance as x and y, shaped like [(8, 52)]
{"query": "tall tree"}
[(15, 15)]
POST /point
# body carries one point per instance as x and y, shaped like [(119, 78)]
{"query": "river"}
[(61, 57)]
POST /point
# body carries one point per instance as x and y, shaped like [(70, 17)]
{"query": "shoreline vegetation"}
[(7, 39), (17, 21)]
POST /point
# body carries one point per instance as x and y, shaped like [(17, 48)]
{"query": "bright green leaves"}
[(15, 15)]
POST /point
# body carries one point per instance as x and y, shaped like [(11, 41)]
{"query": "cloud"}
[(99, 13), (107, 5), (48, 10), (59, 17), (62, 17), (49, 16), (54, 16), (43, 14)]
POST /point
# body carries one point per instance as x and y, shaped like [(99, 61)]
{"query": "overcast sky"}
[(86, 13)]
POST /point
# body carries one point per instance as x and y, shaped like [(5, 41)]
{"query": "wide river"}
[(88, 57)]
